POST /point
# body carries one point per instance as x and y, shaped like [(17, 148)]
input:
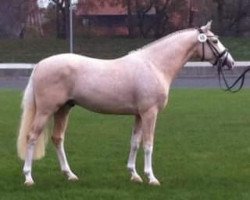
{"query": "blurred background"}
[(42, 27)]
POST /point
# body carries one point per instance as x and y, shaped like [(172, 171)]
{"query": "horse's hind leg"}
[(39, 123), (60, 124), (135, 144)]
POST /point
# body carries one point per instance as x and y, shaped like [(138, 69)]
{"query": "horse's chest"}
[(153, 97), (161, 100), (156, 88)]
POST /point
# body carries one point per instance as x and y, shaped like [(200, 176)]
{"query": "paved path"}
[(13, 83), (204, 82)]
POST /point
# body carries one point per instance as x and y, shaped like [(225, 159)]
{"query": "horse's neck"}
[(170, 54)]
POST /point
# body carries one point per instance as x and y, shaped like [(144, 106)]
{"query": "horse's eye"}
[(215, 41)]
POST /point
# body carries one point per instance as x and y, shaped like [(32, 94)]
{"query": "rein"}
[(220, 61), (239, 81)]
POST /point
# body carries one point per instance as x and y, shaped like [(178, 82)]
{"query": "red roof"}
[(94, 8)]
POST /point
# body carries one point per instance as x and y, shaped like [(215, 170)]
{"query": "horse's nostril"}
[(233, 64)]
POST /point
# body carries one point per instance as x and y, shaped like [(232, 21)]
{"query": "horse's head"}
[(212, 50)]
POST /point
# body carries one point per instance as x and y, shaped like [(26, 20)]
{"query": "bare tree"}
[(142, 8), (34, 21), (62, 18), (130, 21), (158, 17), (231, 14), (162, 16), (241, 11), (147, 16), (13, 16), (220, 14)]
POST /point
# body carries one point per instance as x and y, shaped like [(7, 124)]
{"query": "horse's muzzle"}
[(229, 61)]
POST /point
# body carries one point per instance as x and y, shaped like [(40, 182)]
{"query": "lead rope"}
[(240, 79)]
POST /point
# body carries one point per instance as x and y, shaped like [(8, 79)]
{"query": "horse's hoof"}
[(73, 178), (29, 183), (70, 175), (136, 179), (154, 182)]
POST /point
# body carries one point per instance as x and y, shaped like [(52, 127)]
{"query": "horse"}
[(136, 84)]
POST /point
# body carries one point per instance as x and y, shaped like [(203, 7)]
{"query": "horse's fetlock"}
[(147, 172), (130, 167), (26, 171)]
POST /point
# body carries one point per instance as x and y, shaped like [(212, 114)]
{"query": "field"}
[(34, 49), (202, 151), (202, 138)]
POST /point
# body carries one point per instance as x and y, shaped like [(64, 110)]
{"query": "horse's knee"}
[(148, 149), (135, 142), (56, 140), (135, 145)]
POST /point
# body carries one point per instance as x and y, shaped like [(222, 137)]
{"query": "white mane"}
[(169, 36)]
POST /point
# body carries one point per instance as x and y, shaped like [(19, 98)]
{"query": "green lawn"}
[(202, 151), (33, 50)]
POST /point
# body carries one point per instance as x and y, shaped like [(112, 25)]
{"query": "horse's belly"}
[(111, 104), (108, 107)]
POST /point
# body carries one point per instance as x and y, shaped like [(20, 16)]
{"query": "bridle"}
[(221, 58)]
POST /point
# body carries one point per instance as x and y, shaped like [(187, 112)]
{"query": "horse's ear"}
[(207, 27)]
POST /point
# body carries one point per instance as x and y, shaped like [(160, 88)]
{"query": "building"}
[(103, 20)]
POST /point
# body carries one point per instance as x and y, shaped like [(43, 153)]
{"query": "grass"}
[(201, 152), (33, 50)]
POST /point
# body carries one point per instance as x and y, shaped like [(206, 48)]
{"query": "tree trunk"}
[(161, 19), (130, 21), (13, 16), (239, 17), (66, 18), (62, 18), (220, 11)]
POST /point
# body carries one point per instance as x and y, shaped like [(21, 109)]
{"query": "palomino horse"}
[(136, 84)]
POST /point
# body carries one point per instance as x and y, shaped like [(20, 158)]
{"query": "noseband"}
[(221, 58)]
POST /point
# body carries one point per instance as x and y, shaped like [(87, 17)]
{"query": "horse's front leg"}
[(135, 144), (148, 127)]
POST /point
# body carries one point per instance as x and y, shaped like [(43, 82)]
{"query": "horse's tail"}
[(28, 114)]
